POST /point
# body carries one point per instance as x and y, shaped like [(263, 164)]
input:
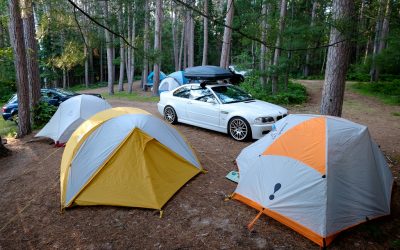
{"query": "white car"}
[(220, 107)]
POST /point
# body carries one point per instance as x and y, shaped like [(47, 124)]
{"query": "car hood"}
[(257, 108)]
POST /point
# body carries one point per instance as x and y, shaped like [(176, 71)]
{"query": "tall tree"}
[(312, 24), (205, 34), (174, 35), (109, 45), (338, 58), (278, 44), (17, 41), (130, 67), (263, 51), (157, 46), (121, 50), (31, 52), (146, 44), (226, 43)]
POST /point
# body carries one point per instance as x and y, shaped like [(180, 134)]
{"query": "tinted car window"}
[(183, 92)]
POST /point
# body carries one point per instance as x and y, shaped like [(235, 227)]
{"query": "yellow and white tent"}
[(125, 157), (319, 175)]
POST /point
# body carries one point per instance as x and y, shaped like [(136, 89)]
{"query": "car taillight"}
[(4, 109)]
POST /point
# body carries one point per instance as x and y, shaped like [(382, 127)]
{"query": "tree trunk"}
[(191, 40), (157, 46), (31, 52), (312, 24), (181, 48), (338, 60), (378, 29), (17, 41), (278, 45), (263, 51), (226, 44), (85, 52), (101, 63), (121, 53), (175, 37), (64, 79), (131, 52), (146, 44), (205, 34), (109, 53)]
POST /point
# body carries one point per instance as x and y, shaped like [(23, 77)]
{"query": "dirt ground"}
[(197, 216)]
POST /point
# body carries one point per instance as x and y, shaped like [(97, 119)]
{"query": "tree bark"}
[(175, 37), (157, 46), (190, 59), (17, 41), (312, 24), (278, 45), (226, 44), (182, 47), (263, 51), (205, 34), (146, 44), (131, 52), (121, 52), (378, 29), (338, 60), (109, 53)]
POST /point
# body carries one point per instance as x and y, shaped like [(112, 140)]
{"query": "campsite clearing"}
[(197, 217)]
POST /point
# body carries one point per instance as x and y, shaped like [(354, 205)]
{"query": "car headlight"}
[(266, 119)]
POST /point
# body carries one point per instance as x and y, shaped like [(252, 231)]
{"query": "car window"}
[(183, 92), (231, 94), (201, 94)]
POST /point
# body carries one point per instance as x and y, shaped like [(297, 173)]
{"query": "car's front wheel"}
[(170, 115), (239, 129)]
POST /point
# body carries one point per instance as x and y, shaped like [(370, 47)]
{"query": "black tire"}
[(170, 115), (239, 129)]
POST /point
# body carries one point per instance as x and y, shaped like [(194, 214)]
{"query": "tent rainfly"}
[(125, 157), (69, 115), (168, 84), (319, 175)]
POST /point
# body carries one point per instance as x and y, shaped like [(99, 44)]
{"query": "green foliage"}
[(42, 114), (388, 92), (7, 74), (295, 93), (8, 128), (71, 57)]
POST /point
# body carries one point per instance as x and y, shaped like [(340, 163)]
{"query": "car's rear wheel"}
[(170, 115), (239, 129)]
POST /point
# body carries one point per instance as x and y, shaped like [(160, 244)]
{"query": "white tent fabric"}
[(168, 84), (354, 185), (70, 114)]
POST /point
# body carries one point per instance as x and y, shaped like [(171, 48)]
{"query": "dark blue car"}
[(52, 96)]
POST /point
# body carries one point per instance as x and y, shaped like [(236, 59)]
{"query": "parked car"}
[(53, 96), (222, 107)]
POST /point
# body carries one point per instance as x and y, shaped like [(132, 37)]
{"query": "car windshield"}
[(13, 99), (65, 92), (231, 94)]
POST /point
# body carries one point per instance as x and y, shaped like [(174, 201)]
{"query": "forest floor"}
[(197, 216)]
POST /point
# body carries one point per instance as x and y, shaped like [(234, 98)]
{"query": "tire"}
[(239, 129), (170, 115)]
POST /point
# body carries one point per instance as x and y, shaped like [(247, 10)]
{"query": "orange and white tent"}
[(319, 175)]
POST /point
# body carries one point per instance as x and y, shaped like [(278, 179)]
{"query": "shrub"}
[(43, 113), (294, 94)]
